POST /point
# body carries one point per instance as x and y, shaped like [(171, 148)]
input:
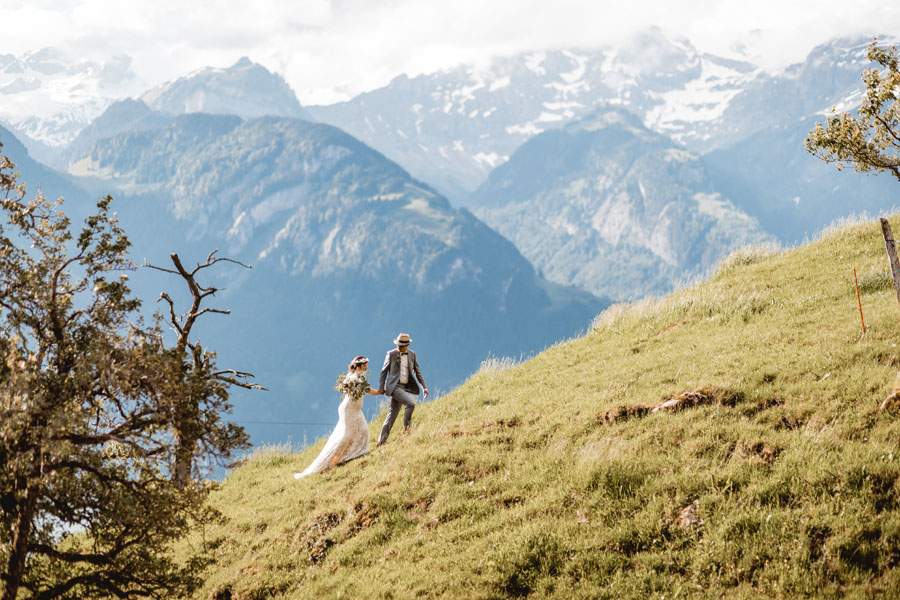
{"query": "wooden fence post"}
[(892, 255)]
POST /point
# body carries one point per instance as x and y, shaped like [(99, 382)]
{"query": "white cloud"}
[(331, 50)]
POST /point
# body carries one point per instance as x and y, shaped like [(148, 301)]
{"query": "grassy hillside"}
[(777, 477)]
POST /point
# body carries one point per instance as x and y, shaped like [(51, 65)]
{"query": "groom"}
[(398, 380)]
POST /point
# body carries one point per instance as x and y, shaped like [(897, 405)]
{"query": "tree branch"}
[(173, 319), (221, 376), (214, 310), (149, 266), (210, 261)]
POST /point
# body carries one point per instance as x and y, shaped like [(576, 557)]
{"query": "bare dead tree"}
[(204, 386)]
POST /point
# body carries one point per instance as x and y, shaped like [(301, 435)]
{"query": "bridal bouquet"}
[(354, 384)]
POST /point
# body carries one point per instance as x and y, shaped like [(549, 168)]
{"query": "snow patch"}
[(567, 89), (328, 242), (569, 104), (846, 104), (466, 93), (533, 62), (704, 99), (491, 159), (499, 84), (546, 117), (528, 129), (578, 72)]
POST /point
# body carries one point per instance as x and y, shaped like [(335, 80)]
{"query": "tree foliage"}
[(89, 400), (870, 140)]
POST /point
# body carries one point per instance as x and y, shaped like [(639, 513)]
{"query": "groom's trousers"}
[(400, 397)]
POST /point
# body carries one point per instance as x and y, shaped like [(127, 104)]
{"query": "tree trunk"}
[(15, 567), (183, 459), (186, 429)]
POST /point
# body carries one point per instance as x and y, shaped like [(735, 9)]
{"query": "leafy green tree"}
[(89, 403), (870, 141)]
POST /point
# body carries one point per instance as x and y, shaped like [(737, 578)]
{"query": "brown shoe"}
[(406, 429), (378, 443)]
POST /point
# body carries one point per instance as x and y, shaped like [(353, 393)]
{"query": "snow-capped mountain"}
[(245, 89), (50, 97), (453, 127), (47, 97)]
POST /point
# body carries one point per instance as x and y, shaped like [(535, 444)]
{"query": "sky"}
[(332, 50)]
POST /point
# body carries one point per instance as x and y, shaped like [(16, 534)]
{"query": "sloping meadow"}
[(724, 440)]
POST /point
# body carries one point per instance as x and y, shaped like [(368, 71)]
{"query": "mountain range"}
[(522, 189), (454, 127), (347, 250)]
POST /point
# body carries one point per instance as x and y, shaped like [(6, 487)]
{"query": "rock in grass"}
[(688, 517), (892, 402)]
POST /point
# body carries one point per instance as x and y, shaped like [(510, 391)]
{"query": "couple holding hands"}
[(350, 438)]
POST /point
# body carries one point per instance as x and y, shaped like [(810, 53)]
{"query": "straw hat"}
[(403, 340)]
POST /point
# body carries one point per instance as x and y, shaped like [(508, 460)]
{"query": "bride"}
[(350, 438)]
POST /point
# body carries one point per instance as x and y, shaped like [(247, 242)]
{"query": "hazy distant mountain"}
[(792, 193), (245, 89), (347, 250), (768, 173), (608, 205), (49, 96), (830, 76), (452, 127)]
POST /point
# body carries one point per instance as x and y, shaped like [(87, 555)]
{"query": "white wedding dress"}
[(350, 438)]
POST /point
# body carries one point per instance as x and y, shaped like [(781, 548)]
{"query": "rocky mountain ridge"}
[(608, 205), (245, 89)]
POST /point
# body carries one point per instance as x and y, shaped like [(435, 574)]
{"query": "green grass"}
[(546, 478)]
